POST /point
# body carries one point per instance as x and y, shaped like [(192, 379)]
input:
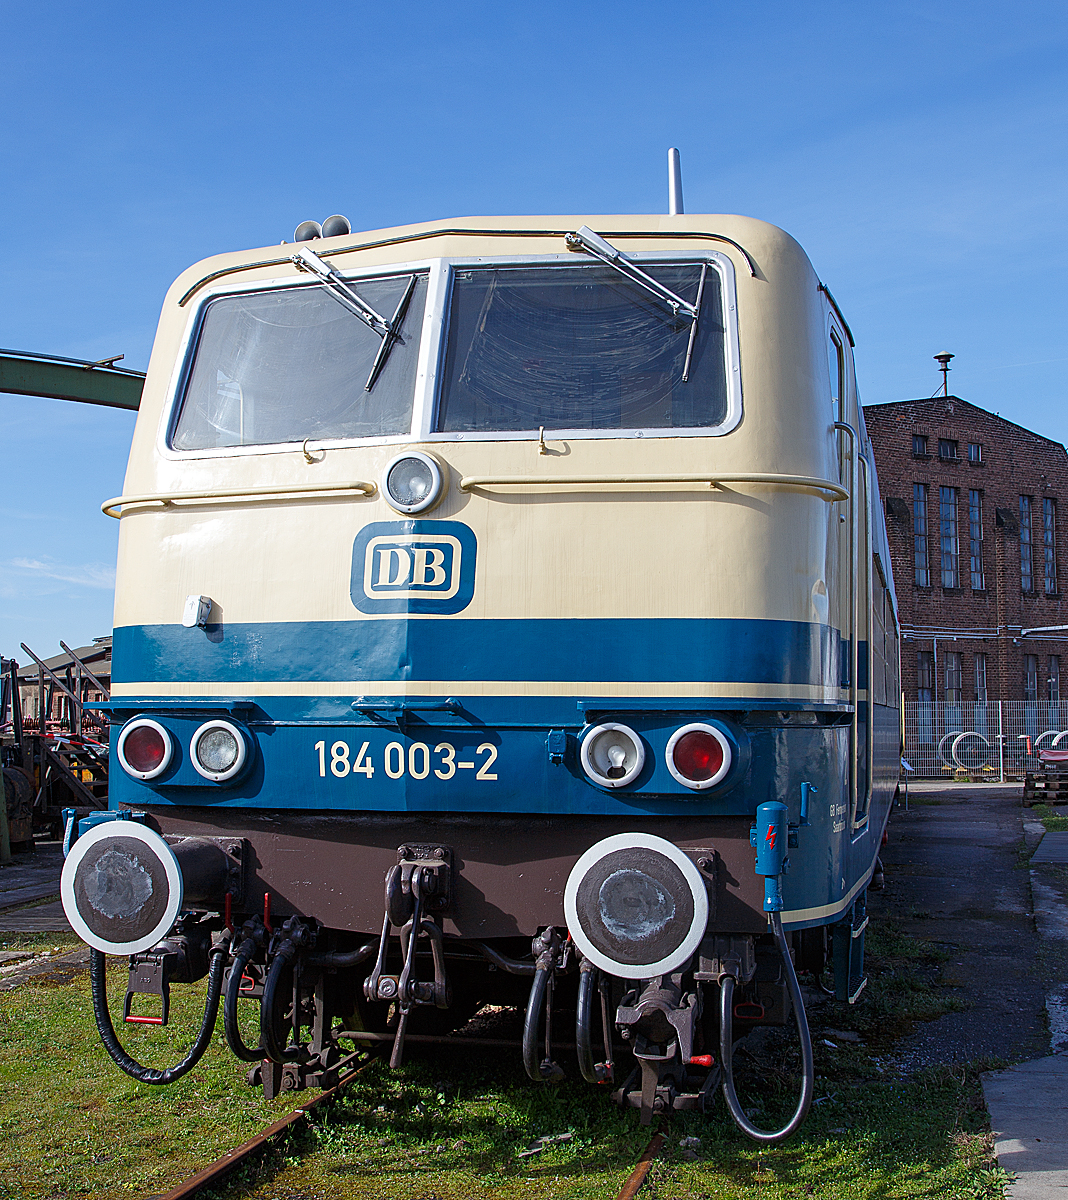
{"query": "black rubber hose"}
[(531, 1021), (231, 1028), (514, 966), (272, 1048), (726, 1048), (342, 958), (99, 988), (583, 1044)]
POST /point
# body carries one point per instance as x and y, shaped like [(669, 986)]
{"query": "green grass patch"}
[(452, 1125), (1053, 822)]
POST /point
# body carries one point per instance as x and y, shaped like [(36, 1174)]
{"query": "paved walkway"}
[(25, 881), (954, 869)]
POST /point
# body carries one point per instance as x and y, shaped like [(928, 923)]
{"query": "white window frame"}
[(432, 345)]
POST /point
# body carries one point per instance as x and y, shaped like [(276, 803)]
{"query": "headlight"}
[(218, 750), (145, 748), (413, 482), (698, 756), (612, 755)]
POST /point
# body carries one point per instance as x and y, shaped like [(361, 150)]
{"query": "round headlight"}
[(698, 756), (145, 748), (412, 482), (612, 755), (636, 906), (218, 750)]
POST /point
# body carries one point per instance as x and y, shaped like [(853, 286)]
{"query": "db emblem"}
[(413, 566)]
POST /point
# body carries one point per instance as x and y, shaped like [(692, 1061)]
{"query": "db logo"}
[(413, 566)]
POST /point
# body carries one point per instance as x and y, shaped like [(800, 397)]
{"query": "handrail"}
[(231, 495), (712, 478), (854, 621), (427, 234)]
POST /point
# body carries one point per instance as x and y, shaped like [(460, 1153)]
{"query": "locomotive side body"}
[(705, 553)]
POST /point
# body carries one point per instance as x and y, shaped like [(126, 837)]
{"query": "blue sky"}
[(917, 152)]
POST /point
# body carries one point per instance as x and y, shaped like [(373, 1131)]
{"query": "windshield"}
[(292, 363), (579, 347)]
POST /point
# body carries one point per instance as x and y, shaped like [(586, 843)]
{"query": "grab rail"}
[(712, 478), (231, 495)]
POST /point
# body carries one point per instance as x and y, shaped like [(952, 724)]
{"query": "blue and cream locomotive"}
[(487, 590)]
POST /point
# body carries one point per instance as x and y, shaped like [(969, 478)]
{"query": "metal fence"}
[(995, 739)]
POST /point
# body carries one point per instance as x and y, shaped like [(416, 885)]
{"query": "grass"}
[(450, 1126), (1053, 822)]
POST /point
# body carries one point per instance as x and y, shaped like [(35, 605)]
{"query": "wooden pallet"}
[(1046, 788)]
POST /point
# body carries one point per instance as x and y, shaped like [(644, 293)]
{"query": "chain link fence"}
[(994, 740)]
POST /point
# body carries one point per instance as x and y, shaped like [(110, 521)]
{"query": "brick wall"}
[(988, 619)]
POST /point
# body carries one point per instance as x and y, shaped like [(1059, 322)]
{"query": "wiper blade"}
[(387, 330), (592, 243), (340, 290)]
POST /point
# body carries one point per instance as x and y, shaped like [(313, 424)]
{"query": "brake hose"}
[(531, 1021), (98, 984), (269, 1040), (233, 992), (726, 1047)]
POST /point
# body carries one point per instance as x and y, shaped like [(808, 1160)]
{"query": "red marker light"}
[(702, 1060), (697, 755), (144, 748)]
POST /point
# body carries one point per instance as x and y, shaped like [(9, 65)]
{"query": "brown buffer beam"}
[(101, 382)]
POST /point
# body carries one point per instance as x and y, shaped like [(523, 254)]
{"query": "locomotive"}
[(487, 591)]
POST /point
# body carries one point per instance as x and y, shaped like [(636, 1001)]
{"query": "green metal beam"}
[(70, 379)]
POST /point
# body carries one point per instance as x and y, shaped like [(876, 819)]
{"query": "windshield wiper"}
[(387, 329), (592, 243)]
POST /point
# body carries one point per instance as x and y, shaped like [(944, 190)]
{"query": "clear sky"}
[(916, 150)]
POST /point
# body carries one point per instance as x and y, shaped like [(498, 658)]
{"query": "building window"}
[(980, 678), (947, 449), (1054, 679), (953, 677), (975, 452), (919, 445), (919, 534), (1030, 677), (975, 535), (924, 675), (947, 513), (1049, 543), (1027, 566)]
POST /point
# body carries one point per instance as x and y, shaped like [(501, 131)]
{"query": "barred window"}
[(1049, 543), (919, 534), (924, 675), (1030, 677), (980, 678), (975, 535), (1027, 566), (953, 677), (948, 528)]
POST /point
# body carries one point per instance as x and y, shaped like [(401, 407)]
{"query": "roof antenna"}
[(943, 365), (674, 182)]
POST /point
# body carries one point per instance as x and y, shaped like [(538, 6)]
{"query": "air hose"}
[(231, 1028), (726, 1047), (98, 983), (531, 1021), (269, 1040)]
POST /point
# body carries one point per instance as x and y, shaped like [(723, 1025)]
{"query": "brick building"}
[(978, 548)]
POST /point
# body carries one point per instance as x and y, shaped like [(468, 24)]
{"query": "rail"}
[(117, 504), (713, 479)]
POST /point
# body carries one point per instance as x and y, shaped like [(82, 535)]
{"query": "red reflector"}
[(697, 755), (144, 748), (702, 1060)]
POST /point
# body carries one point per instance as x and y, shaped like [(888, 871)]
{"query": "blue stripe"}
[(627, 650)]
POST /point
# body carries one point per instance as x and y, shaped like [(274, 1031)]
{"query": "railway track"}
[(217, 1172)]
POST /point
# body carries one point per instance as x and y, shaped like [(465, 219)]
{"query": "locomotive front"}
[(485, 592)]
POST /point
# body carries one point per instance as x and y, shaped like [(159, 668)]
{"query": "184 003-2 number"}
[(416, 760)]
